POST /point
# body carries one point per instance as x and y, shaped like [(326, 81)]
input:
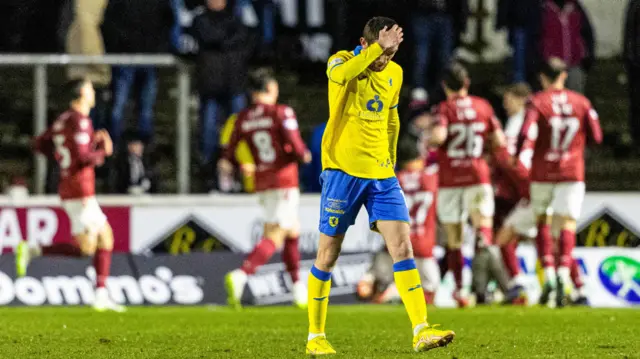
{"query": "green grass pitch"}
[(280, 332)]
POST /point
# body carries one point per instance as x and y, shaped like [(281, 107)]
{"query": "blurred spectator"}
[(80, 25), (17, 190), (435, 26), (221, 67), (132, 172), (567, 34), (136, 26), (631, 55), (522, 19)]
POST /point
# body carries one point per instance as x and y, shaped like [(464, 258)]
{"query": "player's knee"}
[(568, 224), (86, 244), (328, 253), (275, 233), (105, 238), (543, 219), (400, 250)]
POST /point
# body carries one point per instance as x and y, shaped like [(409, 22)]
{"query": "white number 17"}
[(563, 130)]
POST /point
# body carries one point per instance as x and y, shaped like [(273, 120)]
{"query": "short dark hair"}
[(374, 26), (73, 89), (520, 89), (455, 76), (553, 68), (259, 79), (407, 149)]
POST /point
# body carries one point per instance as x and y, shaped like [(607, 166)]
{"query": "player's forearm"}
[(91, 158), (393, 131), (343, 72)]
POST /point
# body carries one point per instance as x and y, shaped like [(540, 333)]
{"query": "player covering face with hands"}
[(77, 149), (358, 160)]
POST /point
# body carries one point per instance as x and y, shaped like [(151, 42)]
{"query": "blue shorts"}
[(343, 196)]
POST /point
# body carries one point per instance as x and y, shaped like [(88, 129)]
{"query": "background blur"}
[(502, 40)]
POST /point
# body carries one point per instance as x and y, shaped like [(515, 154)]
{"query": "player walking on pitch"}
[(358, 160), (271, 132), (558, 124), (78, 149)]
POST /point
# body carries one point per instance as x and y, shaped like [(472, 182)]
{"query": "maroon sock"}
[(259, 256), (456, 263), (544, 245), (102, 265), (291, 257), (575, 274), (69, 249), (486, 234), (509, 258), (567, 242)]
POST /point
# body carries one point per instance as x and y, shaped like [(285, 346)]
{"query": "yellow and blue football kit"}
[(359, 143), (358, 160)]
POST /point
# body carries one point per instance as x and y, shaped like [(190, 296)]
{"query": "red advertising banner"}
[(46, 225)]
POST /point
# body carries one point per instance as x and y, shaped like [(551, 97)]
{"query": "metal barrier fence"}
[(40, 64)]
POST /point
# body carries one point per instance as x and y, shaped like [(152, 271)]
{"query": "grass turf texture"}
[(280, 332)]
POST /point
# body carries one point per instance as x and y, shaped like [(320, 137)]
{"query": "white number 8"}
[(62, 151), (262, 141)]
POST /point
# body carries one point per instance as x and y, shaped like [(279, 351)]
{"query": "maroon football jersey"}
[(470, 122), (70, 141), (558, 124), (271, 132), (420, 190)]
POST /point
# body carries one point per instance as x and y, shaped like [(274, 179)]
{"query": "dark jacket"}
[(631, 44), (458, 9), (137, 26), (224, 53), (567, 34), (519, 13)]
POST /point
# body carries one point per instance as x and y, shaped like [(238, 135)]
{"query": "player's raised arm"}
[(341, 69)]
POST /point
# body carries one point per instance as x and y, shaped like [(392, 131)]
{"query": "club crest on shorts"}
[(333, 221)]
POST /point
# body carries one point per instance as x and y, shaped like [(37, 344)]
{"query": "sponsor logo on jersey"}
[(333, 221), (375, 104), (620, 275)]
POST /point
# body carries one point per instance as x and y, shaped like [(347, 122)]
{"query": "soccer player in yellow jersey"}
[(358, 160)]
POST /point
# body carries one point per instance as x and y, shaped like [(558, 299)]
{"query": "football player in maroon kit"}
[(558, 123), (271, 133), (77, 149), (466, 129)]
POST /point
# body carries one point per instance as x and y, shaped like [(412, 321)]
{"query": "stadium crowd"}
[(228, 47)]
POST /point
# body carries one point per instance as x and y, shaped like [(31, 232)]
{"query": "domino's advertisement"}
[(175, 251)]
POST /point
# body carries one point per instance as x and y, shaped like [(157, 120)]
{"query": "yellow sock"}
[(408, 283), (319, 286)]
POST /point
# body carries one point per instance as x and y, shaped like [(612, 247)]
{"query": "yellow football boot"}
[(319, 346), (430, 338)]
